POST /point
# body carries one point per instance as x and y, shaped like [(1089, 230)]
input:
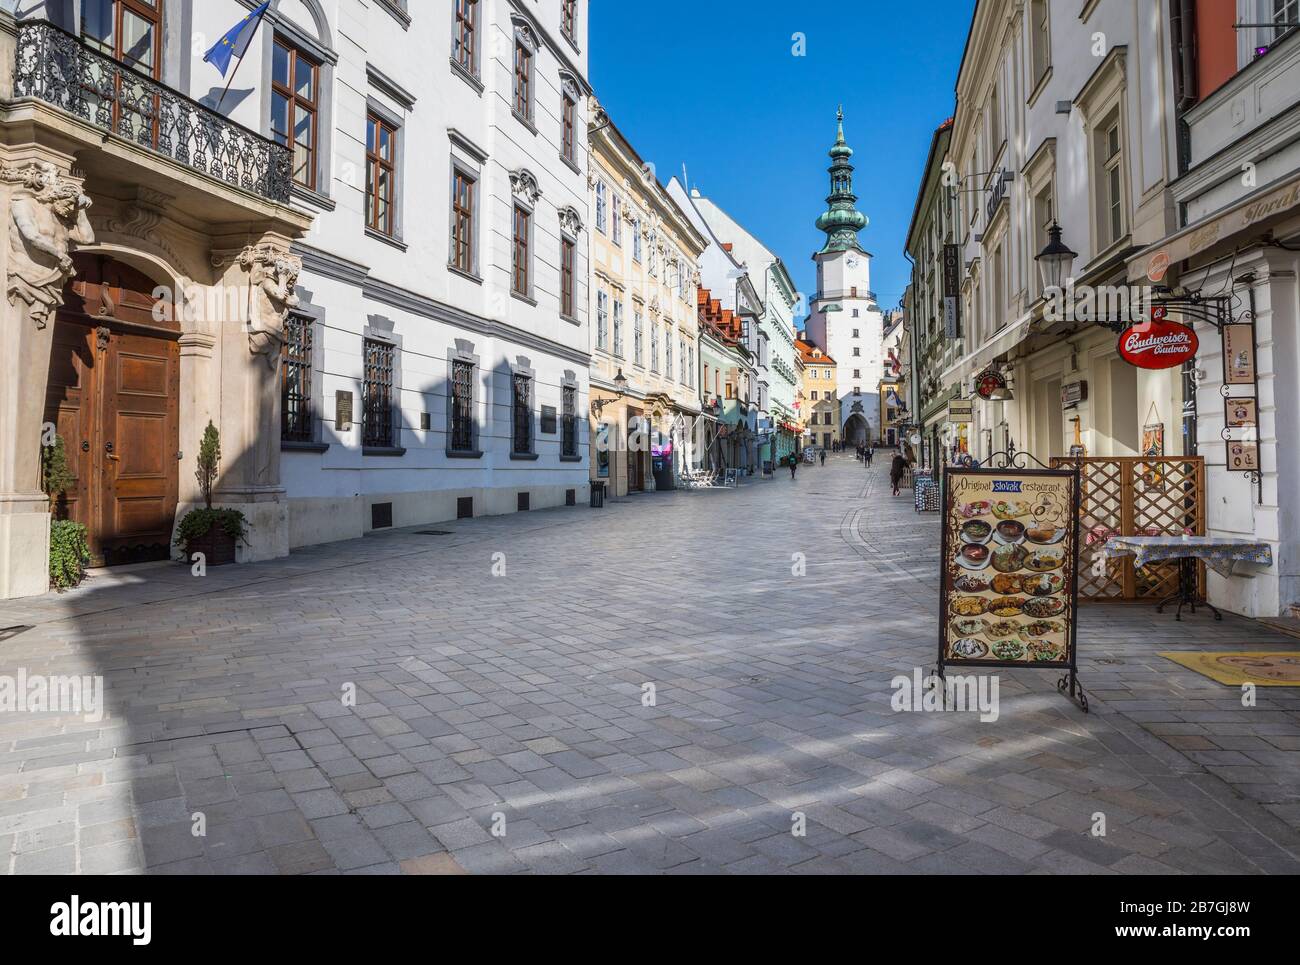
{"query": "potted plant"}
[(213, 532), (69, 549)]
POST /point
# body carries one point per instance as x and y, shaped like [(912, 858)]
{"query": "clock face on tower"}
[(852, 262)]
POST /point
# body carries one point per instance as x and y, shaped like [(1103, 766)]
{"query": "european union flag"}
[(236, 40)]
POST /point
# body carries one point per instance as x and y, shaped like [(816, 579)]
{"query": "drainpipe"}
[(1183, 29)]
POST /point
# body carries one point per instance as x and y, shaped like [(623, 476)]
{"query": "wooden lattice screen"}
[(1136, 496)]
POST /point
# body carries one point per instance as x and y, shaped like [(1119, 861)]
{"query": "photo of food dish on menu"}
[(1009, 561)]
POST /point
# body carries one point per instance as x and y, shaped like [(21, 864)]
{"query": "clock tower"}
[(845, 320)]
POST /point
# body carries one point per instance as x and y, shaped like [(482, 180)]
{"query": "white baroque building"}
[(371, 249)]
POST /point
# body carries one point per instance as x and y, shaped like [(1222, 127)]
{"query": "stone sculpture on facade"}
[(47, 218)]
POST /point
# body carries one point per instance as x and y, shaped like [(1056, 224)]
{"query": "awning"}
[(990, 351), (1255, 211)]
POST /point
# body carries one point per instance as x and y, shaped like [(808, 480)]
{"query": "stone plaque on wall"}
[(342, 411), (548, 419)]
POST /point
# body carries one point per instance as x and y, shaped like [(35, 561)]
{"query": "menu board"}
[(1239, 353), (1010, 568)]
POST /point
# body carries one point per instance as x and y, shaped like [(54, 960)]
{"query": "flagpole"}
[(260, 18), (228, 83)]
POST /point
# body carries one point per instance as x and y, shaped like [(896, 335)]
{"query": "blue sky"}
[(714, 85)]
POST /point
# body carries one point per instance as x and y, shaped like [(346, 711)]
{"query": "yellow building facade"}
[(645, 396)]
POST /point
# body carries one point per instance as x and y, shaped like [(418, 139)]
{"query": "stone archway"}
[(113, 396), (857, 431)]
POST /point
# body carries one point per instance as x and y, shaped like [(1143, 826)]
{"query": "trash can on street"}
[(597, 495)]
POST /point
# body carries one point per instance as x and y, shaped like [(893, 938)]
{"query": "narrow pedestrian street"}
[(664, 685)]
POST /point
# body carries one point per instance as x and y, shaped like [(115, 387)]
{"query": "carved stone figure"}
[(47, 217), (273, 274)]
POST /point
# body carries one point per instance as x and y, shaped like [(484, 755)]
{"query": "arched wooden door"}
[(113, 393)]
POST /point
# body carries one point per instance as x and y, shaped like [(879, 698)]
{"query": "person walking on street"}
[(870, 453), (794, 466), (896, 471), (823, 457)]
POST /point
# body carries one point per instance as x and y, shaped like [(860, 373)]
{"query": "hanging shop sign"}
[(951, 290), (1243, 456), (1240, 413), (1158, 344), (988, 382), (1010, 560), (961, 410), (1239, 353)]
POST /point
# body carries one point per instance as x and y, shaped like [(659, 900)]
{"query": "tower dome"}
[(841, 220)]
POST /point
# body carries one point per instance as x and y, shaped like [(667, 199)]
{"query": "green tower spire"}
[(841, 221)]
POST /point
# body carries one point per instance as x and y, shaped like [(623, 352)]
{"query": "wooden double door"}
[(113, 395)]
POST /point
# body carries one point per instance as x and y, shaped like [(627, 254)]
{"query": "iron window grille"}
[(522, 434), (569, 422), (295, 379), (462, 406), (377, 395)]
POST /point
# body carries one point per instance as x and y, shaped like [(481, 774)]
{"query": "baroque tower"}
[(844, 319)]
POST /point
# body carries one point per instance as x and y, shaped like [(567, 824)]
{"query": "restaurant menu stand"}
[(1009, 568)]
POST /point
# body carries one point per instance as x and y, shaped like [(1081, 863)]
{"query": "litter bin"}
[(597, 495)]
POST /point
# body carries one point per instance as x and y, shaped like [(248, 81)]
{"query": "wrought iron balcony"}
[(58, 68)]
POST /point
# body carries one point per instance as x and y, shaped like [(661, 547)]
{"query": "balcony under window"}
[(60, 69)]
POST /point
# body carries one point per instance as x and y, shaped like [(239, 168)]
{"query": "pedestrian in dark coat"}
[(794, 465), (823, 457), (896, 471)]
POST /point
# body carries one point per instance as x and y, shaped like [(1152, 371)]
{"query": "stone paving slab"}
[(388, 705)]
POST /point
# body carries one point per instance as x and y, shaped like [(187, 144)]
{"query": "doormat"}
[(1264, 668)]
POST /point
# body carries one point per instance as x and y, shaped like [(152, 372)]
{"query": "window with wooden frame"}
[(295, 379), (462, 221), (295, 86), (1040, 40), (602, 321), (377, 394), (522, 223), (1112, 180), (465, 39), (381, 175), (568, 253), (568, 114), (569, 19), (130, 32), (523, 81)]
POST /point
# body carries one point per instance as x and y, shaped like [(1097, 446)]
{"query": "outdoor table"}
[(1221, 554)]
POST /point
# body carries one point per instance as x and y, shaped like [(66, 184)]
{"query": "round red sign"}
[(1158, 345)]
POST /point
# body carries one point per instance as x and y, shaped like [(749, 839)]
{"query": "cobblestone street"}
[(516, 701)]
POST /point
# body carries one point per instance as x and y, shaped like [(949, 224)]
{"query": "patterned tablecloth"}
[(1218, 553)]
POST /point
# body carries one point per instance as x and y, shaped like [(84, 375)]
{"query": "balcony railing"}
[(54, 66)]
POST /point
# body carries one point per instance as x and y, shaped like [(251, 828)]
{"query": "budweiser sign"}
[(1158, 345)]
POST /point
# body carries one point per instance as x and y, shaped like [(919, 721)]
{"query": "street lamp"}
[(1055, 260), (620, 386)]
